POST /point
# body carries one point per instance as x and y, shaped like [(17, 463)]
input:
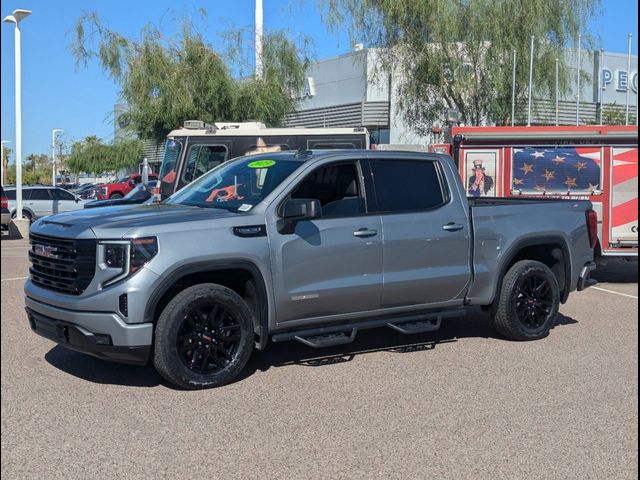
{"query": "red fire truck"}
[(594, 162)]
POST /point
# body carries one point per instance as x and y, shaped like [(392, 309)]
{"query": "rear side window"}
[(59, 194), (11, 194), (39, 194), (407, 185)]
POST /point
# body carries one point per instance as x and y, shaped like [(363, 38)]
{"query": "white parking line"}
[(14, 278), (615, 293)]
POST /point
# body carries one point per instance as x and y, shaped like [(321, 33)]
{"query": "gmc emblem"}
[(45, 251)]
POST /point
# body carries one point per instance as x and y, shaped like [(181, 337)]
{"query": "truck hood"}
[(116, 221)]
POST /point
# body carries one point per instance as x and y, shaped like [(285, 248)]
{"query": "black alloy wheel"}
[(204, 337), (534, 300), (208, 339), (528, 301)]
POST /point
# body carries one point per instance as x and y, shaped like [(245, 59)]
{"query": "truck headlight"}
[(121, 258)]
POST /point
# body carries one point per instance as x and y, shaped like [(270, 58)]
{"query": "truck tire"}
[(204, 337), (115, 195), (528, 303)]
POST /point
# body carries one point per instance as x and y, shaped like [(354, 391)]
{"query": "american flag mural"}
[(624, 201), (558, 170)]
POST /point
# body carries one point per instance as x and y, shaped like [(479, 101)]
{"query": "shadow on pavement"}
[(617, 271), (100, 371), (476, 325)]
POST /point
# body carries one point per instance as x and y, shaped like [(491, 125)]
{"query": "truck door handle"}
[(364, 232), (452, 227)]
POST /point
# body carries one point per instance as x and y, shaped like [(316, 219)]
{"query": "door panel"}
[(425, 234), (423, 263), (324, 269), (331, 265)]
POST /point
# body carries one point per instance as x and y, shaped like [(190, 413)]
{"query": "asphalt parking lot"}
[(457, 403)]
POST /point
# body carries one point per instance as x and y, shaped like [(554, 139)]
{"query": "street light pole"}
[(2, 163), (626, 93), (530, 81), (16, 18), (578, 81), (53, 155)]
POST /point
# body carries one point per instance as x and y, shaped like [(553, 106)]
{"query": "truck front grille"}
[(61, 264)]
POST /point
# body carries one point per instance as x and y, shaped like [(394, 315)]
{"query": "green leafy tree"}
[(458, 54), (93, 156), (166, 81)]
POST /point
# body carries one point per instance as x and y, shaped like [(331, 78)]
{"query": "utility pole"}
[(513, 90), (578, 82), (15, 18), (530, 81), (557, 91), (259, 63), (626, 100), (53, 155)]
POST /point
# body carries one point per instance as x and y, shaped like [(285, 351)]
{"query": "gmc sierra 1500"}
[(306, 246)]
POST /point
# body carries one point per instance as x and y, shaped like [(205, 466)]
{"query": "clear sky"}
[(57, 95)]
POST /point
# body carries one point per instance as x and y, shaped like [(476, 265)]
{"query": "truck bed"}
[(504, 225)]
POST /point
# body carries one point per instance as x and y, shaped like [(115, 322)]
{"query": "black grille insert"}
[(62, 264)]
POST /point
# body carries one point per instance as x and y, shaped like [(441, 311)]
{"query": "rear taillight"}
[(592, 227), (4, 202)]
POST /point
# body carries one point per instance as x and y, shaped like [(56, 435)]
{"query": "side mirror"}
[(77, 199), (301, 209), (296, 209)]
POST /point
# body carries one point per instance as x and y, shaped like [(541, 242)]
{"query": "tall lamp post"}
[(2, 163), (53, 155), (16, 18)]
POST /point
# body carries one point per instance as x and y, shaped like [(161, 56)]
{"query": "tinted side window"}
[(337, 187), (39, 194), (137, 180), (201, 159), (11, 194), (59, 194), (407, 185)]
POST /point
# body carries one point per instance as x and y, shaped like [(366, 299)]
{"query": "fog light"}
[(102, 339)]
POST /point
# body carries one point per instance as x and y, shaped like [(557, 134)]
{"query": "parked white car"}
[(42, 201)]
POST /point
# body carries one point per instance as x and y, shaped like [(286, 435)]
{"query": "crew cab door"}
[(426, 237), (329, 266)]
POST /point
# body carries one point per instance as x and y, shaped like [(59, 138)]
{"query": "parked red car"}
[(120, 188)]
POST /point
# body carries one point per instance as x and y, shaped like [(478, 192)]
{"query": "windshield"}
[(236, 186), (171, 154)]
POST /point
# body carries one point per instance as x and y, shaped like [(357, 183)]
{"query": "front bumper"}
[(101, 334), (584, 281)]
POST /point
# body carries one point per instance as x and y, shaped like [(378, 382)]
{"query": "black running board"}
[(343, 334), (420, 326), (328, 339)]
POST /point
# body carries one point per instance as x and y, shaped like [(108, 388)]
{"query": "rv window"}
[(279, 147), (203, 158), (330, 146)]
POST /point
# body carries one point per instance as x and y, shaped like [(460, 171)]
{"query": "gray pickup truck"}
[(306, 246)]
